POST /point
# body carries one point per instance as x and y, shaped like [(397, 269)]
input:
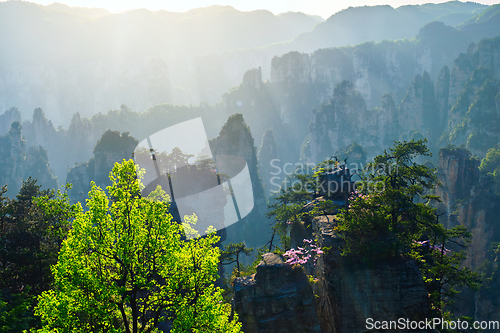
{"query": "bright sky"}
[(324, 8)]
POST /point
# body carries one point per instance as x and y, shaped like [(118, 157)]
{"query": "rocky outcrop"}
[(277, 299), (252, 98), (269, 163), (111, 148), (375, 69), (473, 87), (292, 68), (7, 118), (418, 110), (442, 96), (235, 139), (474, 119), (41, 132), (463, 66), (346, 293), (489, 55), (349, 293), (469, 199)]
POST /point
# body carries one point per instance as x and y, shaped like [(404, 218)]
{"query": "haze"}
[(313, 7)]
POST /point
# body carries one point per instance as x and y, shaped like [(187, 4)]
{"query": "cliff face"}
[(236, 139), (268, 160), (277, 299), (19, 162), (474, 86), (418, 110), (346, 294), (252, 98), (349, 293), (345, 120), (442, 96), (469, 199), (41, 131), (375, 69), (461, 109)]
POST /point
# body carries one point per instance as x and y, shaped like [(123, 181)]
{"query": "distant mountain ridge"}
[(66, 59), (356, 25)]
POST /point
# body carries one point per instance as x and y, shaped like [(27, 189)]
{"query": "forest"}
[(220, 170)]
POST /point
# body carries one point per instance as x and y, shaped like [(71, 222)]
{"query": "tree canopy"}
[(391, 214), (126, 266)]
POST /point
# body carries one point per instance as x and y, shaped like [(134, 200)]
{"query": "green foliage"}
[(231, 254), (442, 268), (125, 266), (490, 165), (491, 273), (287, 207), (32, 227), (382, 219), (30, 236), (491, 161), (391, 215), (16, 312)]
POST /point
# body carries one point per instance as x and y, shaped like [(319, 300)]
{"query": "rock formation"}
[(19, 162), (236, 139), (7, 118), (277, 299), (111, 148), (345, 120), (469, 200), (253, 99), (268, 159), (418, 110), (345, 295)]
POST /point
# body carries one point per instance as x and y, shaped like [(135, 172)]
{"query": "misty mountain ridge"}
[(66, 59), (355, 25)]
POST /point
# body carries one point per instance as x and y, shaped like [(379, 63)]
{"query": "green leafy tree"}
[(231, 254), (391, 214), (126, 266), (287, 207)]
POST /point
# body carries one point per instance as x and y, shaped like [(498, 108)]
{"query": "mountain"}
[(486, 23), (69, 60), (348, 27), (356, 25)]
